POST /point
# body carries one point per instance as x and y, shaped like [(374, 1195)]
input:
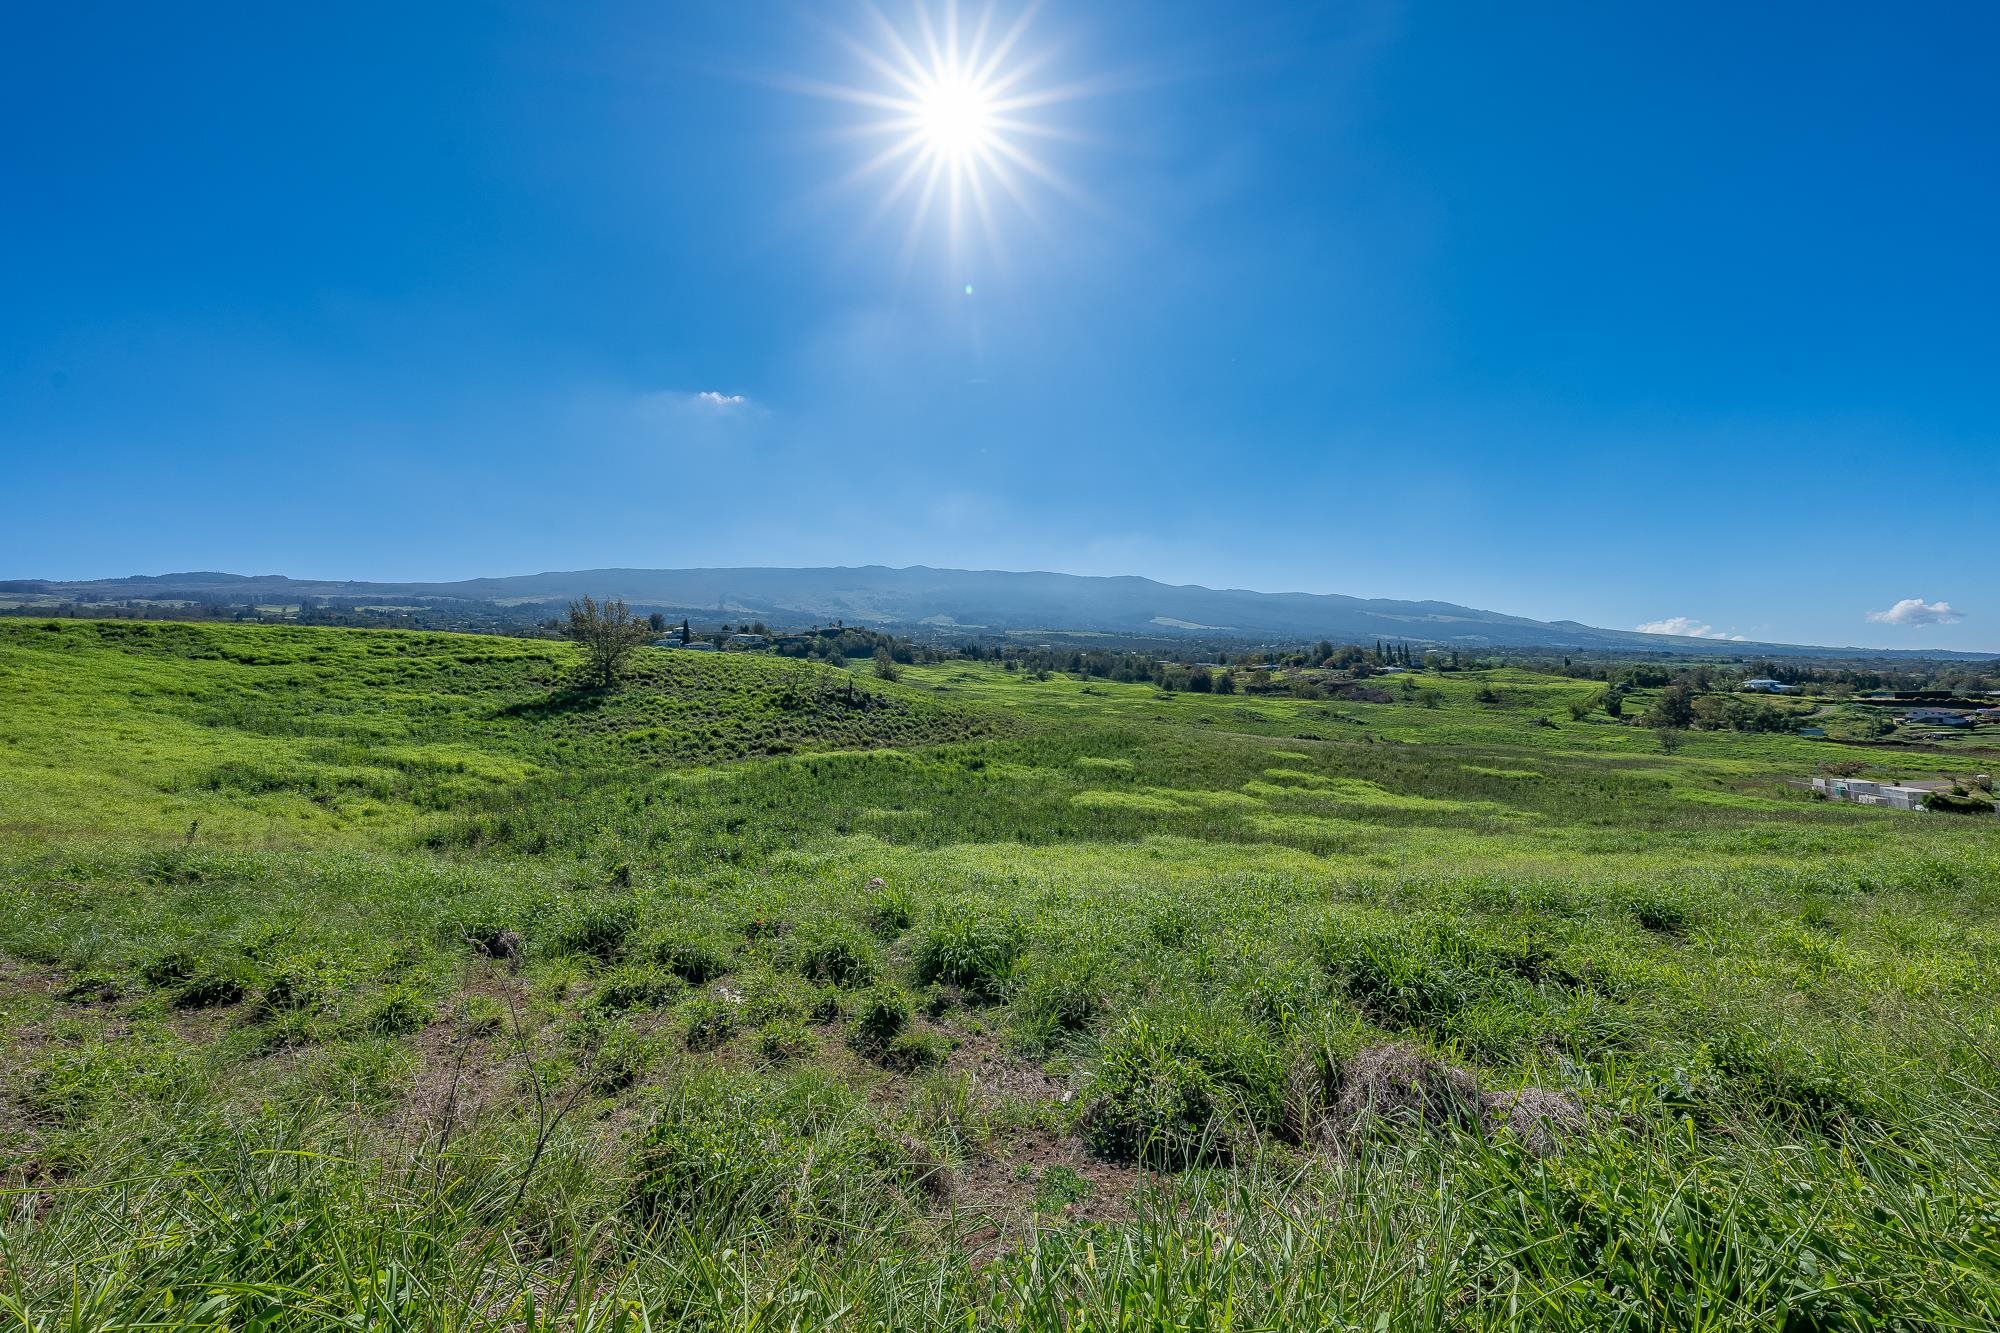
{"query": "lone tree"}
[(608, 634)]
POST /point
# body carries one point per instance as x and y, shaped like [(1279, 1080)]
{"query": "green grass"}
[(382, 977)]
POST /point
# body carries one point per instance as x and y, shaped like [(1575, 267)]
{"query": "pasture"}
[(373, 978)]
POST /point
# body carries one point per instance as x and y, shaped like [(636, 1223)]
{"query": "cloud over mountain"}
[(1916, 611), (1687, 627)]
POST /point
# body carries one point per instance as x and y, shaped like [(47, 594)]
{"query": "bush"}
[(839, 958), (972, 945), (1172, 1093), (695, 959), (879, 1017), (597, 932), (1057, 1002), (707, 1022), (1663, 912), (397, 1012), (889, 911), (636, 986), (784, 1039), (911, 1050), (1953, 804)]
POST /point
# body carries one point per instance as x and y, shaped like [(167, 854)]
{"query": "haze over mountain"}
[(940, 601)]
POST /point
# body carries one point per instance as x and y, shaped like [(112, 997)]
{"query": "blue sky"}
[(1631, 314)]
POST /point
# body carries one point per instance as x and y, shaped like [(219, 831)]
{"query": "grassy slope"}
[(1780, 1014)]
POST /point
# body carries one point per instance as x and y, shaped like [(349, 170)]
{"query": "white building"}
[(1863, 792), (1765, 686)]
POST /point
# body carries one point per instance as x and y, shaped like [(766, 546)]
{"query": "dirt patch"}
[(1033, 1177), (462, 1070), (998, 1073)]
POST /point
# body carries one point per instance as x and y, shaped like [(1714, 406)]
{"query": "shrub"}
[(399, 1011), (972, 945), (1663, 912), (1172, 1093), (840, 959), (912, 1049), (784, 1039), (707, 1022), (597, 932), (695, 959), (889, 911), (1954, 804), (1057, 1002), (636, 986), (883, 1012), (208, 988)]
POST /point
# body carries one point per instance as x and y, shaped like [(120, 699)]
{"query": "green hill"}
[(131, 724), (382, 979)]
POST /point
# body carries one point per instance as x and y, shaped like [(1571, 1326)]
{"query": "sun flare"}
[(956, 105)]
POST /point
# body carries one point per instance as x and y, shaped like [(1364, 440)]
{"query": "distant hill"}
[(940, 601)]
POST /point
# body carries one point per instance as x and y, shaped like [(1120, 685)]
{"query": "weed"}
[(880, 1015), (707, 1022), (974, 945)]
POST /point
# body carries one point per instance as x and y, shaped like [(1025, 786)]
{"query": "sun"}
[(954, 103), (957, 118)]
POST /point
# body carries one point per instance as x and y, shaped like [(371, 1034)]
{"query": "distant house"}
[(748, 641), (694, 645), (1764, 686), (1936, 717), (1862, 792)]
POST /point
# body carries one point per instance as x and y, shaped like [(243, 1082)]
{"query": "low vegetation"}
[(378, 978)]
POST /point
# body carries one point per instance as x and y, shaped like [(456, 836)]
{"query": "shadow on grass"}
[(559, 702)]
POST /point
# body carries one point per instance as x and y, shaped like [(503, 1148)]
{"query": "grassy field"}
[(381, 979)]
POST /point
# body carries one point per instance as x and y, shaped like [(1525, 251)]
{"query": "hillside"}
[(376, 978), (137, 724), (943, 600)]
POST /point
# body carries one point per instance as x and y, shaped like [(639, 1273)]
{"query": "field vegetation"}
[(359, 978)]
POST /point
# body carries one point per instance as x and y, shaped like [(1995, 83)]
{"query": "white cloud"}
[(1916, 611), (720, 402), (1687, 627)]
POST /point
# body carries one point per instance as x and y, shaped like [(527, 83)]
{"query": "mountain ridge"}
[(933, 599)]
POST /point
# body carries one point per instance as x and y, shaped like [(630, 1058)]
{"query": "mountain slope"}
[(991, 601)]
